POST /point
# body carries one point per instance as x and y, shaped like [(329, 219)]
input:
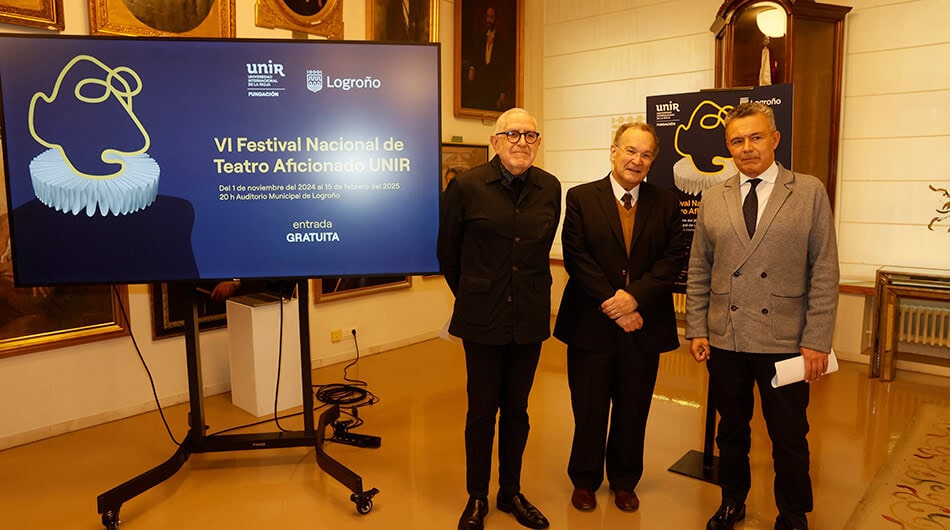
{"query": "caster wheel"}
[(110, 520), (364, 507)]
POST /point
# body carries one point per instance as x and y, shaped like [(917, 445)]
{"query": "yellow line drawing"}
[(123, 94), (711, 120)]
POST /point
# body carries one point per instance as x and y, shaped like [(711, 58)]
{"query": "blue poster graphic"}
[(138, 160)]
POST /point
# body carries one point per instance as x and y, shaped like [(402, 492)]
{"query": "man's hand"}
[(630, 322), (224, 290), (816, 364), (618, 305), (699, 348)]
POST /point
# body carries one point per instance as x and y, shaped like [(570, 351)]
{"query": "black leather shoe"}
[(583, 499), (799, 522), (473, 517), (524, 511), (726, 516)]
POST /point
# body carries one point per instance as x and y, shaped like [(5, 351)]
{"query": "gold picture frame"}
[(387, 21), (317, 17), (56, 317), (44, 14), (329, 289), (485, 76), (214, 18), (457, 158)]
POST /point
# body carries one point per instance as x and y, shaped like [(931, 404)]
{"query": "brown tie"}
[(627, 200)]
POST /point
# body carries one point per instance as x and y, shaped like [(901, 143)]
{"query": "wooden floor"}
[(53, 484)]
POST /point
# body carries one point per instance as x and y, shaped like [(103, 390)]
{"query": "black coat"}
[(495, 254)]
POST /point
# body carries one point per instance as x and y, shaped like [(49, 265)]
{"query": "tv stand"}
[(197, 440)]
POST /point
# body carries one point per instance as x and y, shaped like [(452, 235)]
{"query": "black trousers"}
[(614, 386), (732, 376), (499, 380)]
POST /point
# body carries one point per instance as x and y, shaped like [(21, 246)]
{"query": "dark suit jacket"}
[(597, 263), (495, 255)]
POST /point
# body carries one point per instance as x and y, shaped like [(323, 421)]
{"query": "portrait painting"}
[(316, 17), (44, 14), (402, 20), (169, 308), (335, 288), (489, 44), (458, 158), (162, 18), (40, 318)]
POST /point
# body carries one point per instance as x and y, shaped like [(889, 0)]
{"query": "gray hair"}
[(751, 108), (501, 124)]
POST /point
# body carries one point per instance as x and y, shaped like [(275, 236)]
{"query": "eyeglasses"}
[(515, 136), (631, 152)]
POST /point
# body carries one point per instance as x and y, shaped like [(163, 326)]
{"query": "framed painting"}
[(168, 308), (328, 289), (162, 18), (402, 20), (457, 158), (489, 50), (45, 14), (317, 17)]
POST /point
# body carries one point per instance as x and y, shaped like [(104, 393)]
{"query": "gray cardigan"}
[(776, 292)]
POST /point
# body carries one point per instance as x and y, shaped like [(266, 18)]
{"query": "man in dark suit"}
[(497, 225), (622, 250), (488, 64), (762, 287)]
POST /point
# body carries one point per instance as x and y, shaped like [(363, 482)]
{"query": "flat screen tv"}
[(131, 160)]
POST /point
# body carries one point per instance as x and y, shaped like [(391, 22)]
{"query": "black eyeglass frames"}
[(515, 136)]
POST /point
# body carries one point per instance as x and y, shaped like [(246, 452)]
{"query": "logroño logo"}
[(314, 80)]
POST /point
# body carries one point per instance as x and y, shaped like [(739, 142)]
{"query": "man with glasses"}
[(496, 228), (622, 250)]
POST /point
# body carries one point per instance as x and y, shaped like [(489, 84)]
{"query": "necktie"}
[(627, 200), (750, 207)]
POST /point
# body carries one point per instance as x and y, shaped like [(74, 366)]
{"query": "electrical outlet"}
[(336, 335), (349, 333)]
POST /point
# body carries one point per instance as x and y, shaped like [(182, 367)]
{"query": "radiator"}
[(923, 325)]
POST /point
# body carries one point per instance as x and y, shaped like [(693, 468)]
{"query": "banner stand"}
[(702, 465)]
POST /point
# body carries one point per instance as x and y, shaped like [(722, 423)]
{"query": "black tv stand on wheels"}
[(197, 441)]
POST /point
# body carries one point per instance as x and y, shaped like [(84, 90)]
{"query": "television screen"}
[(139, 160)]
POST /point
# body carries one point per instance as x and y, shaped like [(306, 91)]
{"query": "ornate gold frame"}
[(461, 23), (316, 288), (112, 17), (328, 22), (371, 13), (117, 327), (45, 14)]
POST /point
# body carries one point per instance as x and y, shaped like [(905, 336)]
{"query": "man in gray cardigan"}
[(762, 287)]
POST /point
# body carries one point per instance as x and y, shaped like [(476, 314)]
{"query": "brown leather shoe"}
[(584, 500), (626, 500)]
